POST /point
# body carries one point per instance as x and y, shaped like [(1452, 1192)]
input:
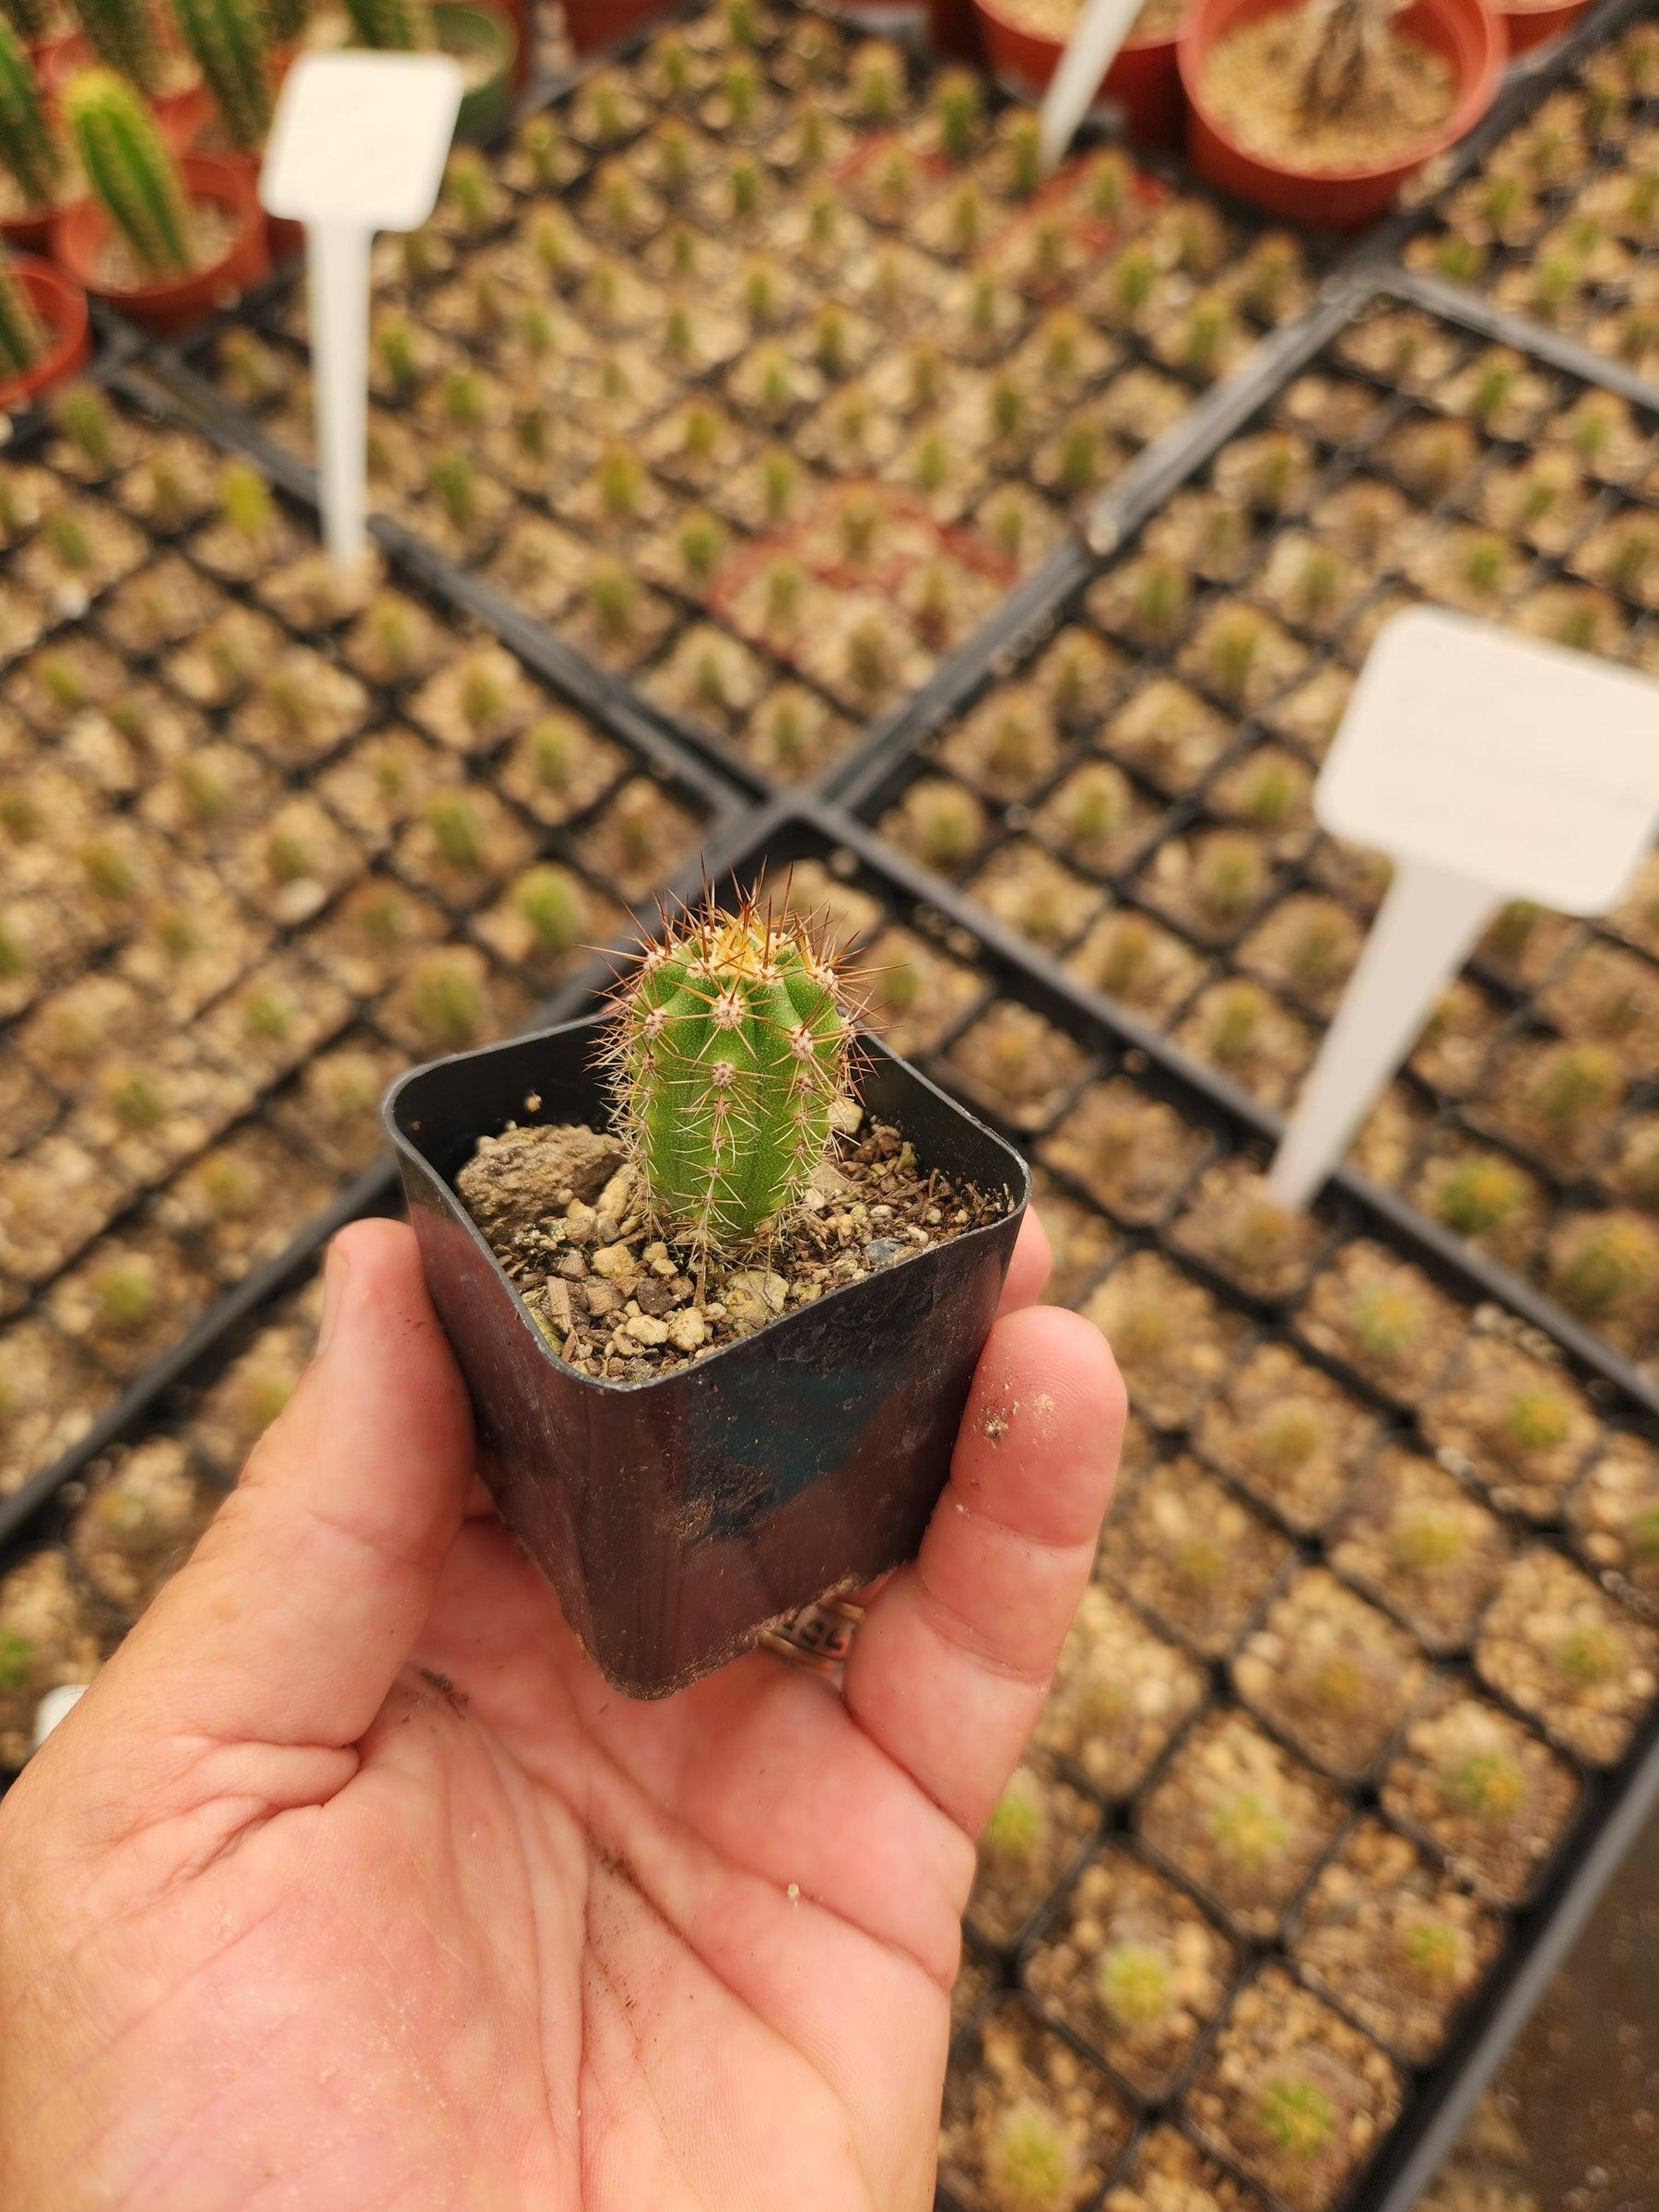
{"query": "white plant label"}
[(357, 144), (1489, 767), (1101, 29)]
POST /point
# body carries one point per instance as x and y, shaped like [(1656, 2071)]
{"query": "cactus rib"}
[(132, 171), (26, 146), (729, 1050), (22, 334), (230, 42)]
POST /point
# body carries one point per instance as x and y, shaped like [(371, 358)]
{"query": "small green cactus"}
[(393, 26), (1135, 1985), (132, 171), (121, 33), (1031, 2164), (287, 19), (1247, 1831), (554, 904), (1285, 1437), (1427, 1537), (1605, 1263), (1480, 1194), (22, 334), (729, 1051), (230, 43), (1294, 2117), (27, 148), (1435, 1952), (1488, 1785), (1018, 1822)]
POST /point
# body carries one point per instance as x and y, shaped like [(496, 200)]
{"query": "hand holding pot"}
[(350, 1880)]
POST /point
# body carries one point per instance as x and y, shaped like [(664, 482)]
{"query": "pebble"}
[(686, 1331), (753, 1297), (881, 1251), (645, 1328), (616, 1264), (602, 1298)]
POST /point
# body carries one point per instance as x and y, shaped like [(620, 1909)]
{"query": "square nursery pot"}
[(677, 1517)]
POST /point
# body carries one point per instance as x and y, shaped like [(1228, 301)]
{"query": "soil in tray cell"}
[(1034, 1833), (1026, 2119), (1120, 1694)]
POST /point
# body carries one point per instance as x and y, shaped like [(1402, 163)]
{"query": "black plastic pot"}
[(678, 1517)]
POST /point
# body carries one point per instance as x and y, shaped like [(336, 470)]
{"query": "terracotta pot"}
[(1144, 78), (521, 13), (1528, 27), (1465, 31), (181, 114), (467, 28), (173, 303), (953, 29), (285, 237), (593, 23), (29, 232), (62, 306)]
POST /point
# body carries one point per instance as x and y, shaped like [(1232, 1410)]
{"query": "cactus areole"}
[(729, 1053), (718, 1293)]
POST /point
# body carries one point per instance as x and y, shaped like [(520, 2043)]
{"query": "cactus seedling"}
[(230, 43), (1605, 1263), (27, 148), (555, 905), (1248, 1832), (1294, 2117), (1488, 1785), (22, 334), (729, 1050), (1135, 1985), (1480, 1194), (1435, 1952), (1030, 2161), (132, 171)]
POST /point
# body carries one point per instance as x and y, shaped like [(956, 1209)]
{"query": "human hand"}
[(350, 1884)]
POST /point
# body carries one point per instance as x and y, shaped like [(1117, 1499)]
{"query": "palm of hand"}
[(385, 1900)]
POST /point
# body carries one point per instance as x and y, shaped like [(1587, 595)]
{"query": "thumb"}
[(289, 1622)]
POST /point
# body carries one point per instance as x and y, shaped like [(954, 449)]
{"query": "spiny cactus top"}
[(27, 146), (121, 33), (230, 40), (729, 1050), (133, 170)]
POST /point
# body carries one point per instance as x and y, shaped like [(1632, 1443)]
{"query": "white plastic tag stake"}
[(1098, 32), (357, 144), (1490, 767)]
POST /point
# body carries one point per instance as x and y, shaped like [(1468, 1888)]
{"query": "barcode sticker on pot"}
[(1518, 764), (361, 138), (1488, 767)]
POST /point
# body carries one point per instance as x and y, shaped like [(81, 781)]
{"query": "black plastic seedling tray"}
[(269, 314), (630, 746), (920, 748), (871, 890), (1418, 232)]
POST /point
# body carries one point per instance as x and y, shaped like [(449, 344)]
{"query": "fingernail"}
[(335, 1270)]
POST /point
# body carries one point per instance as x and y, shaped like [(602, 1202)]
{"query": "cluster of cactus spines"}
[(133, 171), (230, 41), (121, 33), (1294, 2117), (27, 148), (22, 334), (393, 26), (729, 1049)]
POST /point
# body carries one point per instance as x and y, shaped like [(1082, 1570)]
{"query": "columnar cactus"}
[(231, 41), (121, 33), (729, 1053), (133, 172), (287, 18), (22, 334), (396, 26), (26, 146)]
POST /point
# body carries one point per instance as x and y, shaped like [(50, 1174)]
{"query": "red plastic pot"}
[(29, 232), (181, 114), (62, 306), (521, 13), (1528, 27), (953, 29), (1465, 31), (175, 302), (1144, 78), (591, 23)]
